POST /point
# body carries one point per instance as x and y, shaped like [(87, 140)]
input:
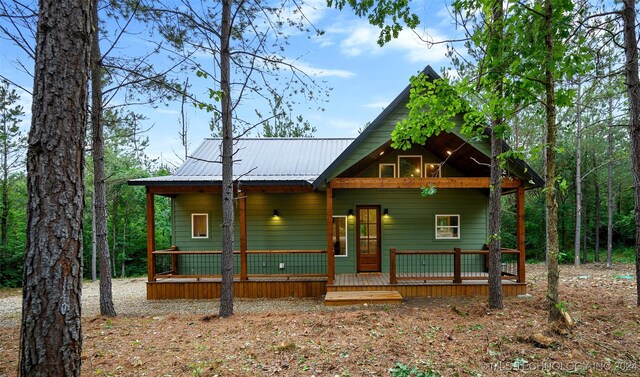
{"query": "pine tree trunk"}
[(576, 256), (585, 224), (94, 261), (51, 332), (633, 93), (226, 298), (596, 247), (610, 193), (553, 274), (124, 251), (100, 189), (495, 208), (495, 193), (5, 194)]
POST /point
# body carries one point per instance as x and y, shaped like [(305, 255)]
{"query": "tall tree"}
[(226, 298), (99, 185), (51, 334), (11, 155), (246, 41), (629, 20)]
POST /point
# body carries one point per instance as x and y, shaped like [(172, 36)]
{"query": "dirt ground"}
[(447, 336)]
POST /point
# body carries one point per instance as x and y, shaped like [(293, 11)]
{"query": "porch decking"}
[(299, 287)]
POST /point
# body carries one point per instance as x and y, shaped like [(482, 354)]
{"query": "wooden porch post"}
[(151, 236), (243, 235), (457, 265), (393, 278), (520, 233), (330, 252)]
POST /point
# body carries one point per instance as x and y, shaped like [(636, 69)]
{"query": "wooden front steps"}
[(362, 297)]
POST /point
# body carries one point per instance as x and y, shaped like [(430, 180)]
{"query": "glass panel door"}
[(368, 242)]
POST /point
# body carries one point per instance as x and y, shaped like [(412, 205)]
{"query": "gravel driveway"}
[(129, 298)]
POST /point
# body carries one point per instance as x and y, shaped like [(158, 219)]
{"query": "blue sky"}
[(365, 77)]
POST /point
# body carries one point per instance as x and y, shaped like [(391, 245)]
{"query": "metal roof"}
[(264, 160)]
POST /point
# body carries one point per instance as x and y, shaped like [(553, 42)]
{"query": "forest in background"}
[(125, 158)]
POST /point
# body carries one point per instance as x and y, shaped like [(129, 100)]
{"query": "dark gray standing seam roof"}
[(257, 160)]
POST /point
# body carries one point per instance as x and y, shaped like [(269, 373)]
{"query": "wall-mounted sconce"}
[(276, 213), (386, 212), (350, 213)]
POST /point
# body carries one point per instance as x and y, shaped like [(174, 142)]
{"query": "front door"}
[(368, 238)]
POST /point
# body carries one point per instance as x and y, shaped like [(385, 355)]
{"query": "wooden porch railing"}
[(456, 265), (174, 263)]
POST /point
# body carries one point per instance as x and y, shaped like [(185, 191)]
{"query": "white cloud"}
[(338, 126), (322, 72), (377, 105), (362, 39), (167, 111)]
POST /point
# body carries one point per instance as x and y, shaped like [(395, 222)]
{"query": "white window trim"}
[(436, 226), (346, 237), (206, 215), (380, 169), (439, 164), (406, 156)]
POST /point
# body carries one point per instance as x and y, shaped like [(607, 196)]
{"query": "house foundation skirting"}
[(211, 288)]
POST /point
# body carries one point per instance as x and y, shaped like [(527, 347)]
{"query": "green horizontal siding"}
[(375, 139), (302, 226), (411, 221), (185, 205)]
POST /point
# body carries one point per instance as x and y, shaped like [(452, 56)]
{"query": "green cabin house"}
[(318, 215)]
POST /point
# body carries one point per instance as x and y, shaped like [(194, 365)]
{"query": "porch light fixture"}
[(350, 213), (386, 212), (276, 213)]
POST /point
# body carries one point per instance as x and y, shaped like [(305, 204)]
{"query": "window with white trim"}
[(199, 225), (410, 166), (432, 170), (340, 236), (387, 170), (447, 227)]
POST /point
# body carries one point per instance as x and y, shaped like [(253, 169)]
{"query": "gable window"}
[(432, 170), (199, 225), (340, 236), (447, 227), (410, 166), (387, 170)]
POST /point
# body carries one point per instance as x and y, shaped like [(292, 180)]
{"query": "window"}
[(432, 170), (410, 166), (199, 225), (387, 170), (447, 227), (340, 236)]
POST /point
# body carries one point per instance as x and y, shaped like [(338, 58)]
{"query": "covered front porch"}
[(195, 274)]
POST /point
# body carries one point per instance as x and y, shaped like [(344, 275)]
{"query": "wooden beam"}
[(330, 252), (520, 240), (243, 234), (415, 183), (278, 188), (151, 237), (176, 190)]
